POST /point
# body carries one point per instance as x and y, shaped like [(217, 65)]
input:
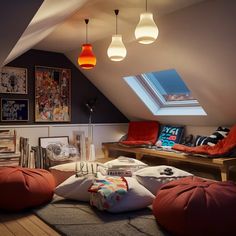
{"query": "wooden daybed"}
[(221, 163)]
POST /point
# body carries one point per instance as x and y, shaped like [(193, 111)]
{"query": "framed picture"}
[(52, 94), (59, 140), (13, 80), (14, 109), (79, 143)]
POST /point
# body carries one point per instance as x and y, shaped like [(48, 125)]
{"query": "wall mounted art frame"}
[(13, 80), (14, 109), (52, 94)]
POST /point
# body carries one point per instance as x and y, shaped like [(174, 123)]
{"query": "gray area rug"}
[(75, 218)]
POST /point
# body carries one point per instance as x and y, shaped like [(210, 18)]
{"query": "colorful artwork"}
[(14, 109), (52, 94), (170, 135), (13, 80)]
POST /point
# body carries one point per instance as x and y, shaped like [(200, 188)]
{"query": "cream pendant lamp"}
[(146, 31), (116, 51)]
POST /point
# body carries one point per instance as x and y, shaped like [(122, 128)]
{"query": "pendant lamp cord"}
[(116, 12), (146, 5), (86, 22)]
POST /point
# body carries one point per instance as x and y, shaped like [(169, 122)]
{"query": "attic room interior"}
[(117, 117)]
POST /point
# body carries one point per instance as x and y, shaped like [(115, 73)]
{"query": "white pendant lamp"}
[(116, 51), (146, 31)]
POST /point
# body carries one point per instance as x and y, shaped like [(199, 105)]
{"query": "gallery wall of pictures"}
[(42, 87)]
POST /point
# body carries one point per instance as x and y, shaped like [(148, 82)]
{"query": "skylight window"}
[(165, 93)]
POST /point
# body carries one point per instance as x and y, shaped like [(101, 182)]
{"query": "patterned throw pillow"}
[(107, 192), (170, 135), (213, 139)]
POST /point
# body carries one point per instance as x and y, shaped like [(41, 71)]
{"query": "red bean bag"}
[(193, 206), (23, 188)]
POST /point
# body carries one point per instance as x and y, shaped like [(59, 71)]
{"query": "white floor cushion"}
[(137, 197), (154, 177), (75, 188), (64, 171)]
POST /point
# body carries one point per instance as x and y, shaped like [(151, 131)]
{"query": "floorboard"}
[(24, 224)]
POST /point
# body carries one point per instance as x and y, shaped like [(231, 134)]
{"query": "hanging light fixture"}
[(146, 31), (87, 59), (116, 51)]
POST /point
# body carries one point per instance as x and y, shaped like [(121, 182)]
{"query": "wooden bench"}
[(221, 163)]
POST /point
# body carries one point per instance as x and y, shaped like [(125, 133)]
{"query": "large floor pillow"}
[(153, 177), (64, 171), (195, 206), (24, 188)]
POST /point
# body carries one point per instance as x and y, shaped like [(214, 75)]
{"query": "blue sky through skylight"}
[(170, 85)]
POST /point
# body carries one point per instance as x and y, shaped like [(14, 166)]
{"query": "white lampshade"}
[(116, 51), (146, 31)]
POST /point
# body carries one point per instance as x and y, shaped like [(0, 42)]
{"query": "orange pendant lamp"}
[(87, 59)]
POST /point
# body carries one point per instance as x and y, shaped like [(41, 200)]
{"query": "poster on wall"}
[(14, 109), (13, 80), (52, 94)]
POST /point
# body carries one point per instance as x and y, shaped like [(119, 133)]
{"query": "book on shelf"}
[(7, 141)]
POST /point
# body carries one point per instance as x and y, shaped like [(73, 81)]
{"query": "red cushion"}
[(195, 206), (144, 131), (23, 188), (223, 147)]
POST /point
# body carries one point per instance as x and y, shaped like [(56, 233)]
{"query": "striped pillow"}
[(213, 139)]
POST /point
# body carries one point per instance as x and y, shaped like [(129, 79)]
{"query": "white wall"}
[(101, 132)]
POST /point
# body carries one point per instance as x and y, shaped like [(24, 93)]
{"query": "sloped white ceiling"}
[(197, 38), (13, 23), (71, 33), (50, 14), (199, 42)]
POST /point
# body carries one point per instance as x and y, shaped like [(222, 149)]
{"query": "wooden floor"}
[(24, 224)]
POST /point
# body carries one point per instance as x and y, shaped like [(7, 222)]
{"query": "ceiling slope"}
[(199, 42), (50, 14), (71, 33), (13, 23)]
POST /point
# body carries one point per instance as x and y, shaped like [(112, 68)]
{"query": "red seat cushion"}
[(223, 147), (23, 188), (195, 206), (142, 132)]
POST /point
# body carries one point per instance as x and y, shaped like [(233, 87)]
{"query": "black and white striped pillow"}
[(213, 139)]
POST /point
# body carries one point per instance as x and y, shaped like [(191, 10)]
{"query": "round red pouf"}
[(23, 188), (194, 206)]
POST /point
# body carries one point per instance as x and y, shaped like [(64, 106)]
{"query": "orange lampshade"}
[(87, 59)]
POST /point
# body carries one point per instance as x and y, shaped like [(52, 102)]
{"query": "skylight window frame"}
[(148, 95), (158, 97)]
